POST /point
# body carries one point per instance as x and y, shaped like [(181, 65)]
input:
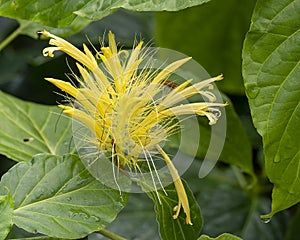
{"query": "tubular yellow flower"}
[(125, 107)]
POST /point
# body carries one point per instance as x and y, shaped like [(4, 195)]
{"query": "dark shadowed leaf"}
[(224, 236), (137, 219), (227, 208), (169, 228)]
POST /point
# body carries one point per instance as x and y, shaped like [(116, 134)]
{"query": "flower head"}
[(125, 108)]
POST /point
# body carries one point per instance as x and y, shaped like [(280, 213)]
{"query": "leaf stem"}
[(12, 36), (239, 176), (111, 235)]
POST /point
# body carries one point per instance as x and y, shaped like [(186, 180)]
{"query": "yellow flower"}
[(125, 107)]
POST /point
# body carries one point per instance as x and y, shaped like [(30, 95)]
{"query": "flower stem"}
[(111, 235), (12, 36)]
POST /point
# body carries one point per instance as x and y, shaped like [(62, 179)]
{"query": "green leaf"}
[(38, 238), (52, 192), (94, 10), (51, 13), (74, 16), (168, 227), (6, 215), (138, 212), (271, 72), (224, 236), (226, 207), (28, 128), (212, 34), (31, 28)]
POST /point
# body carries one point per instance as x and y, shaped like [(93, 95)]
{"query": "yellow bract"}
[(126, 108)]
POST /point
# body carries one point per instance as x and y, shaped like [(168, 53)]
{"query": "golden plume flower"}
[(125, 108)]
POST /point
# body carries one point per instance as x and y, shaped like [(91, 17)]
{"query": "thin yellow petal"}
[(112, 43), (84, 118), (68, 48), (191, 108), (182, 197), (65, 86), (169, 69), (177, 96), (106, 53)]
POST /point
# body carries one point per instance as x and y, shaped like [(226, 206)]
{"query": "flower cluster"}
[(123, 105)]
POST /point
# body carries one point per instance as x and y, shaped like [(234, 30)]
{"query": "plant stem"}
[(111, 235), (12, 36), (240, 177)]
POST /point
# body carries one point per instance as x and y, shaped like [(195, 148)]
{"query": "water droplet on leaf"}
[(277, 159), (265, 219), (83, 215), (291, 190), (73, 213), (96, 219), (81, 181), (253, 92)]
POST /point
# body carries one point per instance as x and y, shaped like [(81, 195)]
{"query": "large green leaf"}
[(51, 13), (271, 72), (169, 228), (94, 10), (52, 192), (224, 236), (28, 128), (6, 215), (212, 34), (72, 16)]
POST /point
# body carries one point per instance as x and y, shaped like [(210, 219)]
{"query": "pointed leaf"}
[(28, 128), (271, 72), (52, 192), (6, 215), (169, 228)]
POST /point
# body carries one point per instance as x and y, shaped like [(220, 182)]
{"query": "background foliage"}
[(258, 171)]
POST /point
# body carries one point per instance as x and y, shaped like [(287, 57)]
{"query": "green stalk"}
[(240, 177), (111, 235), (12, 36)]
